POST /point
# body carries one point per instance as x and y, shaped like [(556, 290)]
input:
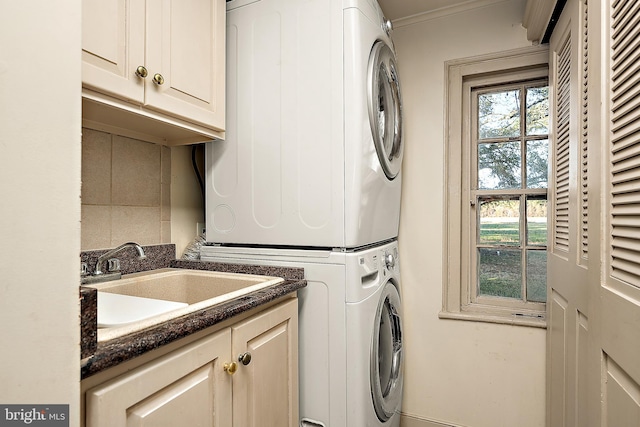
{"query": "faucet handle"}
[(113, 265)]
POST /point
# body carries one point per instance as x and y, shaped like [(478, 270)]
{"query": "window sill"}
[(512, 319)]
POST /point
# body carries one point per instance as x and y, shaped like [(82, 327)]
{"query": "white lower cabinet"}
[(185, 388), (245, 375), (265, 391)]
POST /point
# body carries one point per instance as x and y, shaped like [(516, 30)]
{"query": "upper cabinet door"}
[(185, 57), (113, 47)]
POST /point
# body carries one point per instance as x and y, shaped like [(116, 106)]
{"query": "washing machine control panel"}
[(391, 258), (377, 265)]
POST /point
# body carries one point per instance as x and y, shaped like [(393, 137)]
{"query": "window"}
[(497, 174), (510, 151)]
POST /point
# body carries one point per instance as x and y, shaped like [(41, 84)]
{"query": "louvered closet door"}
[(594, 266), (567, 277), (619, 296)]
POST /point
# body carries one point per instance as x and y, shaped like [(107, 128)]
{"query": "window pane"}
[(537, 163), (499, 166), (500, 273), (537, 276), (499, 221), (499, 114), (537, 220), (538, 110)]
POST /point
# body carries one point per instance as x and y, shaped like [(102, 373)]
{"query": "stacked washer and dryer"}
[(309, 176)]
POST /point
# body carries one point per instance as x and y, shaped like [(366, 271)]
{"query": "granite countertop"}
[(98, 356)]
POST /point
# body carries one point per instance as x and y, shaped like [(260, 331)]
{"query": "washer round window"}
[(385, 108), (387, 354)]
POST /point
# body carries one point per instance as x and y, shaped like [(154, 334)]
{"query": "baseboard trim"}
[(411, 421)]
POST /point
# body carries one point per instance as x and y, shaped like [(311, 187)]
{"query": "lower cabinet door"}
[(188, 387), (265, 386)]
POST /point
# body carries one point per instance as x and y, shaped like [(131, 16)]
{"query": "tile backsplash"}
[(126, 191)]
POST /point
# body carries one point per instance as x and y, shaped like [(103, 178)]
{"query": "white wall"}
[(40, 208), (457, 372)]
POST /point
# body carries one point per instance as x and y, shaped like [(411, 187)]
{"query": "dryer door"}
[(387, 354), (385, 108)]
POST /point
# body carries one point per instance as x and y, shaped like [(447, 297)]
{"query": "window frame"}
[(522, 193), (459, 299)]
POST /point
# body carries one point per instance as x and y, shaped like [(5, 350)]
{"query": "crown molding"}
[(445, 11)]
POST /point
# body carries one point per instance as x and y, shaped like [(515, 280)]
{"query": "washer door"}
[(385, 108), (386, 354)]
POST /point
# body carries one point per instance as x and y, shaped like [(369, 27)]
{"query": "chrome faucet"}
[(104, 257)]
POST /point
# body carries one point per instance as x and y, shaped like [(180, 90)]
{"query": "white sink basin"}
[(140, 300), (118, 310)]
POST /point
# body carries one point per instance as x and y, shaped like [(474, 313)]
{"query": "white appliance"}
[(350, 331), (313, 144)]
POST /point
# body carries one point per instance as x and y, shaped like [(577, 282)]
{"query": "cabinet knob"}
[(158, 79), (245, 358), (231, 368), (141, 72)]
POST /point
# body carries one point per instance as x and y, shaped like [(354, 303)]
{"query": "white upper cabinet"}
[(166, 56)]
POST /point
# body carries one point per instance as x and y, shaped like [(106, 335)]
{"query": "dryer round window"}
[(385, 108)]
